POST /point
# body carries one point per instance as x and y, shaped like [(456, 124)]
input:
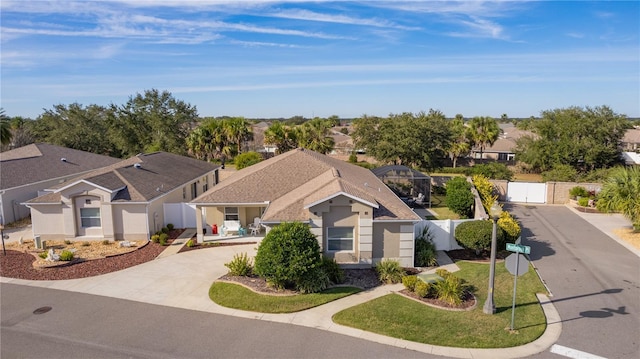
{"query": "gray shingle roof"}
[(41, 161), (295, 179), (143, 177)]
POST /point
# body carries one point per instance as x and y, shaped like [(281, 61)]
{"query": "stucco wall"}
[(47, 222), (130, 221), (558, 192), (386, 240)]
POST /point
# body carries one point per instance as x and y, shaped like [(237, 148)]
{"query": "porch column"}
[(199, 235)]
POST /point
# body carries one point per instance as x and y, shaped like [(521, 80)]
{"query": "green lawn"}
[(238, 297), (440, 208), (396, 316), (527, 177)]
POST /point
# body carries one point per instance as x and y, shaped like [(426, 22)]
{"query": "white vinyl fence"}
[(181, 215), (442, 232)]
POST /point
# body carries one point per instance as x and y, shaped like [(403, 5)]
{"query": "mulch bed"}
[(20, 265), (468, 301), (212, 245)]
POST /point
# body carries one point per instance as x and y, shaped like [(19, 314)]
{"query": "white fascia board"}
[(374, 205), (85, 182)]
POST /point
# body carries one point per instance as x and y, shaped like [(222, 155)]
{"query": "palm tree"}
[(314, 135), (484, 131), (621, 193), (281, 136), (238, 130), (460, 145), (5, 129)]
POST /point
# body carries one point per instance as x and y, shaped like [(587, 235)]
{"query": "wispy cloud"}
[(306, 15)]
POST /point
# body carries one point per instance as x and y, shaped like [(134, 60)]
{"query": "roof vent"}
[(63, 159), (137, 165)]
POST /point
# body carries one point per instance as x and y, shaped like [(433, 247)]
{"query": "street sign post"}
[(518, 248), (516, 266)]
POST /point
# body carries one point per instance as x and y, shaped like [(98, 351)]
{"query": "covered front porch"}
[(229, 221)]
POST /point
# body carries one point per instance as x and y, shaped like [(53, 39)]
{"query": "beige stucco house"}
[(356, 218), (26, 171), (121, 201)]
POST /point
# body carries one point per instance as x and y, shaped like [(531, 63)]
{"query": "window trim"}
[(352, 239)]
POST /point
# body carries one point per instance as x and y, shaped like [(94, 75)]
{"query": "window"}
[(205, 186), (340, 238), (90, 217), (184, 192), (231, 214), (502, 156), (194, 190)]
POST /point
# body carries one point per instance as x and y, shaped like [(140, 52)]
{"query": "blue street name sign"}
[(518, 248)]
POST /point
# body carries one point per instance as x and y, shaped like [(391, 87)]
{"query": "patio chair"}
[(255, 226)]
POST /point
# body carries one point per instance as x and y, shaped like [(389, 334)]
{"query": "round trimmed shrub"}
[(422, 288), (410, 282), (476, 235), (459, 197), (287, 254)]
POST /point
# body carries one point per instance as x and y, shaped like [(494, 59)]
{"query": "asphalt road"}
[(594, 281), (88, 326)]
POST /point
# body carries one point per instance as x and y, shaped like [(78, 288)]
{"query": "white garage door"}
[(526, 192)]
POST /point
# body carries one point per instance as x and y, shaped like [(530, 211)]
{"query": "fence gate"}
[(527, 192)]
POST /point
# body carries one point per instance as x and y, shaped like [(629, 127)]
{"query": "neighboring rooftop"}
[(141, 178), (41, 161), (297, 179)]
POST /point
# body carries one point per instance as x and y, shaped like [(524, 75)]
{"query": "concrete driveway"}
[(171, 281)]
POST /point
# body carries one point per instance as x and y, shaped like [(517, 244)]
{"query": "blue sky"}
[(287, 58)]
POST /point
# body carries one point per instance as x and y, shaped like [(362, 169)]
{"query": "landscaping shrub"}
[(155, 238), (106, 242), (389, 271), (410, 282), (247, 159), (509, 226), (287, 254), (163, 239), (43, 255), (86, 244), (425, 250), (191, 243), (333, 270), (422, 289), (240, 265), (66, 255), (459, 197), (493, 170), (583, 201), (578, 191), (353, 158), (315, 280), (67, 242), (170, 226), (443, 272), (476, 235), (164, 230), (560, 173), (450, 290)]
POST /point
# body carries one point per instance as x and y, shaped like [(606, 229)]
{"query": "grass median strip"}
[(238, 297), (397, 316)]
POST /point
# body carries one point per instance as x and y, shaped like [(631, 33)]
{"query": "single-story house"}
[(27, 171), (121, 201), (356, 218)]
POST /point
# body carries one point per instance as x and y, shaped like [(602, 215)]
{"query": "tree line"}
[(569, 139)]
